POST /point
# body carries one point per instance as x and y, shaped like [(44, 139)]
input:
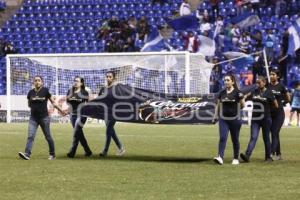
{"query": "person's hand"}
[(64, 112), (214, 120)]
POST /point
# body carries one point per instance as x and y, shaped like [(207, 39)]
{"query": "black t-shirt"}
[(38, 102), (229, 102), (262, 102), (75, 99), (278, 90), (107, 92)]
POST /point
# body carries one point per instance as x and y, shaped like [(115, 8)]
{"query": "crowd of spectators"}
[(271, 34), (6, 48), (124, 35)]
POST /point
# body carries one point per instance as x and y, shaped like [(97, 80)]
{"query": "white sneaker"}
[(51, 157), (24, 156), (276, 157), (235, 162), (218, 160), (121, 152)]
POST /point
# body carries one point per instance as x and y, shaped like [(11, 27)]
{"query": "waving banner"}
[(128, 104)]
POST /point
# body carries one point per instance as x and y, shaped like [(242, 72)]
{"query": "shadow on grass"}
[(141, 158)]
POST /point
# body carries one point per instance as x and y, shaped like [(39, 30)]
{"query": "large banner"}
[(128, 104)]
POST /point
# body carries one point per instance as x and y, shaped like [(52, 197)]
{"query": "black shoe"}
[(88, 154), (24, 156), (268, 160), (103, 154), (245, 157), (70, 155)]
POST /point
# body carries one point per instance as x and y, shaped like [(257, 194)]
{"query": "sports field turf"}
[(161, 162)]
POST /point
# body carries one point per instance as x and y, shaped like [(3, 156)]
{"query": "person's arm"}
[(241, 98), (286, 94), (275, 103), (28, 99), (216, 112), (248, 96), (242, 103), (52, 100), (287, 97)]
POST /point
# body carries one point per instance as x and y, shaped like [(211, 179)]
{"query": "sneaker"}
[(24, 156), (218, 160), (51, 157), (103, 154), (121, 152), (279, 157), (268, 160), (276, 157), (70, 155), (235, 162), (88, 154), (245, 157)]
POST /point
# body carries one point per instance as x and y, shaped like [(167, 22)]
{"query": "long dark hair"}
[(233, 79), (82, 87)]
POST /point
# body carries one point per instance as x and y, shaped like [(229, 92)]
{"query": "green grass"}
[(161, 162)]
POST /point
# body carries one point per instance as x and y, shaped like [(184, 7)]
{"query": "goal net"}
[(163, 72)]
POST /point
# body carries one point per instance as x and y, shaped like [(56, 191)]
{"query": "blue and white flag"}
[(207, 46), (239, 59), (245, 20), (157, 44), (294, 38), (184, 23)]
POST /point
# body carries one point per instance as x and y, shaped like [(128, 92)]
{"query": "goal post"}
[(163, 72)]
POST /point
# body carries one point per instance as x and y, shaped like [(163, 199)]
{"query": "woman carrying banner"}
[(110, 123), (76, 96), (230, 102), (262, 99), (277, 114), (37, 101)]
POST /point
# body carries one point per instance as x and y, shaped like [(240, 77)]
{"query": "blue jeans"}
[(111, 133), (78, 136), (32, 128), (277, 122), (265, 125), (234, 127)]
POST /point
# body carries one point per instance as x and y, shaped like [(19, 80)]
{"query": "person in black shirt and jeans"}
[(76, 96), (277, 114), (230, 101), (110, 123), (37, 101), (262, 99)]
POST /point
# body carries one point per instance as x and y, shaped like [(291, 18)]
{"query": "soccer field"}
[(161, 162)]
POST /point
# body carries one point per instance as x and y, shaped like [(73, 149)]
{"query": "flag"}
[(245, 20), (294, 38), (128, 104), (239, 59), (184, 23), (157, 44), (207, 46)]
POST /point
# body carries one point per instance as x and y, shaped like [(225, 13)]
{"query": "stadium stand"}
[(2, 5)]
